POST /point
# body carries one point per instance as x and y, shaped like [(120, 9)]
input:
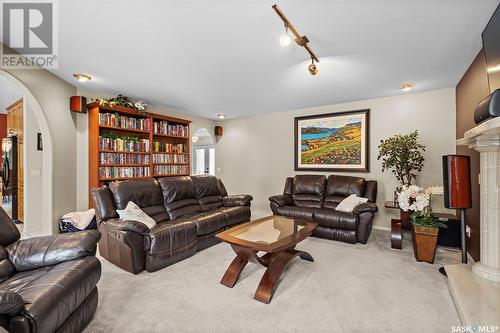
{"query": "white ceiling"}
[(208, 57), (8, 94)]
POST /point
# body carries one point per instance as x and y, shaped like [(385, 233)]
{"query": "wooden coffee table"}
[(275, 235)]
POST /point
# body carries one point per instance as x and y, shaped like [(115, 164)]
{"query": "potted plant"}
[(425, 227), (403, 155)]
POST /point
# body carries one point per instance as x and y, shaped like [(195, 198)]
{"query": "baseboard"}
[(257, 214), (378, 227)]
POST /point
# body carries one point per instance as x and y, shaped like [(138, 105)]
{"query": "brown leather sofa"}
[(314, 198), (189, 211), (47, 284)]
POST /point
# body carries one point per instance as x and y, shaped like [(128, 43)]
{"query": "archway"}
[(47, 186), (203, 152)]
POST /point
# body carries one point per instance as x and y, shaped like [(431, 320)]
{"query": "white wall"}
[(58, 124), (255, 154), (82, 139), (33, 169)]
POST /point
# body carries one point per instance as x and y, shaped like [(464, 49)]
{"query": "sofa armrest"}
[(365, 207), (128, 225), (237, 200), (11, 303), (282, 200), (32, 253)]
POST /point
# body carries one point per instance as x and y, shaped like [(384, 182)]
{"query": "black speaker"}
[(488, 108)]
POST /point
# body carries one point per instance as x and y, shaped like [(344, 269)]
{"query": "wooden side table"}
[(397, 225)]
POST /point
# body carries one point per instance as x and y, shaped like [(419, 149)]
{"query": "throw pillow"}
[(348, 204), (134, 213)]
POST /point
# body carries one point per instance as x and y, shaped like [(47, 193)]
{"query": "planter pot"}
[(424, 242)]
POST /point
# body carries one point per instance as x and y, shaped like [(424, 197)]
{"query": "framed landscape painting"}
[(332, 142)]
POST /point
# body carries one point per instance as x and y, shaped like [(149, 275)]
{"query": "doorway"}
[(203, 153), (21, 160)]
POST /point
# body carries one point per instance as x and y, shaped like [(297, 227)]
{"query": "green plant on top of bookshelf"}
[(124, 101)]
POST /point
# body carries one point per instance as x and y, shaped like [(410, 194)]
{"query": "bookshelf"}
[(125, 144)]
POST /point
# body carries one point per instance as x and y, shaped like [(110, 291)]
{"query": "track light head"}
[(313, 69)]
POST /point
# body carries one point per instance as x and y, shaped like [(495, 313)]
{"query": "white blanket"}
[(80, 220)]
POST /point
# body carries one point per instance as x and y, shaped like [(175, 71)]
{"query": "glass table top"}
[(267, 231)]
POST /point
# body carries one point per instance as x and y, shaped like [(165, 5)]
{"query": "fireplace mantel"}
[(476, 289)]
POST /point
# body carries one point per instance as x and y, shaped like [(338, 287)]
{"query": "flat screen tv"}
[(491, 45)]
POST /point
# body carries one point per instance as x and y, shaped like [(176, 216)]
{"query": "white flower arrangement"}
[(417, 200), (412, 198)]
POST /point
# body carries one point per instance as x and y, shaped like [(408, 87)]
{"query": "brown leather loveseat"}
[(189, 211), (47, 284), (315, 198)]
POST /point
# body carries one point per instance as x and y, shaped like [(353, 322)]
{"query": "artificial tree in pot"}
[(403, 155)]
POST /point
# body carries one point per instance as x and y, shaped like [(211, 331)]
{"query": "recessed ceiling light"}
[(494, 68), (221, 116), (82, 77), (406, 86)]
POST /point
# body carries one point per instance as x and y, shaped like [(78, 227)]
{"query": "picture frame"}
[(336, 141)]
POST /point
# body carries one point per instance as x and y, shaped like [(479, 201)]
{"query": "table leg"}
[(233, 272), (243, 256), (270, 280), (396, 234)]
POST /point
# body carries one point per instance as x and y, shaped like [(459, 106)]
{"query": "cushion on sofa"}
[(168, 236), (146, 193), (6, 267), (348, 204), (179, 196), (308, 190), (235, 215), (52, 293), (332, 201), (309, 184), (344, 186), (335, 219), (133, 213), (208, 191), (297, 212), (207, 223)]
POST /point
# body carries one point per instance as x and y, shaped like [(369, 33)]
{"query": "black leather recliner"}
[(314, 198), (47, 284)]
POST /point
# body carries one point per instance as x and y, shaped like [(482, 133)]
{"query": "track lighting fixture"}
[(313, 69), (303, 41)]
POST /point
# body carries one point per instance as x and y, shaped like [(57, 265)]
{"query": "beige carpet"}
[(350, 288)]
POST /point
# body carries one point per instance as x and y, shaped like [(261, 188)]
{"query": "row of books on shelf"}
[(117, 120), (163, 147), (115, 158), (169, 158), (164, 127), (123, 172), (171, 169), (119, 144)]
